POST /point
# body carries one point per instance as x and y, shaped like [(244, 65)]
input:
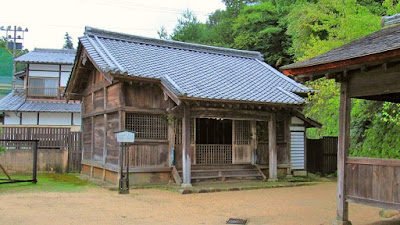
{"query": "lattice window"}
[(192, 131), (147, 126), (178, 131), (262, 132), (213, 154), (280, 130), (242, 132)]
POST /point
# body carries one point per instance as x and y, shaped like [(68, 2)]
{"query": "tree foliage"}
[(68, 42), (257, 28), (290, 30)]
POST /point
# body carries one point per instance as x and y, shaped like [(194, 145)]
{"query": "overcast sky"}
[(48, 20)]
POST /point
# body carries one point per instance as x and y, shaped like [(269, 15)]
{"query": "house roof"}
[(43, 55), (192, 70), (384, 40), (16, 101)]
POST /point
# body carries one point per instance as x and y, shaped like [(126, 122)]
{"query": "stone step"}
[(223, 172), (217, 167), (226, 178)]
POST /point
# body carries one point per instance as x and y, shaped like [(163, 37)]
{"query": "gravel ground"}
[(306, 205)]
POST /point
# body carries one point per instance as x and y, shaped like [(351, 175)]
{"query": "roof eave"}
[(352, 63), (272, 104)]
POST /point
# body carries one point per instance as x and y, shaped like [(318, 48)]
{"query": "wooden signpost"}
[(124, 138)]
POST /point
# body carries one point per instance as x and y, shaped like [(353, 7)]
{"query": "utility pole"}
[(16, 46)]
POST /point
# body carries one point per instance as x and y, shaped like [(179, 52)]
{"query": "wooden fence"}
[(374, 182), (322, 155), (49, 138), (213, 154)]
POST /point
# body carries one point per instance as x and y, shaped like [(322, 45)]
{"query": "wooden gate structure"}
[(50, 139), (367, 68), (322, 155)]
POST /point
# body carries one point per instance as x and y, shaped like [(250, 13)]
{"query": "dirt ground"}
[(307, 205)]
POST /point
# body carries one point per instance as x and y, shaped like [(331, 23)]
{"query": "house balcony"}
[(48, 93)]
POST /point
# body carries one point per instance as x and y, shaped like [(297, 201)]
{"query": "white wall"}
[(66, 68), (64, 78), (29, 118), (10, 118), (44, 74), (47, 67), (77, 119), (297, 121), (54, 118)]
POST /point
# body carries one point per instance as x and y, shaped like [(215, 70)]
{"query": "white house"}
[(40, 102)]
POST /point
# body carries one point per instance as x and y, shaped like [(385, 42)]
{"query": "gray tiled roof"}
[(42, 55), (380, 41), (192, 70), (15, 101)]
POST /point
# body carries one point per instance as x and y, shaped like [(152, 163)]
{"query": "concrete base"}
[(289, 176), (337, 222), (300, 173), (186, 185), (272, 179)]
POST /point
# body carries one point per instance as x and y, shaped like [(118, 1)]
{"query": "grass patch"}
[(310, 178), (223, 186), (47, 183)]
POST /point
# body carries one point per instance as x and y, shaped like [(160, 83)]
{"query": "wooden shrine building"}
[(195, 109), (367, 68)]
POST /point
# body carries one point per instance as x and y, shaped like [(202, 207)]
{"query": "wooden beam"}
[(273, 150), (170, 94), (228, 115), (116, 109), (375, 83), (347, 63), (343, 148), (374, 203), (186, 150), (373, 161)]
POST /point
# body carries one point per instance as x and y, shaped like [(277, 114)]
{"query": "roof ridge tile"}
[(172, 44)]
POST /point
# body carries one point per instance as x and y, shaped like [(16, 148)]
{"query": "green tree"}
[(189, 29), (257, 28), (392, 6), (68, 42), (162, 33), (316, 28)]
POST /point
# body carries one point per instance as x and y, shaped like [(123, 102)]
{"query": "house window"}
[(242, 132), (262, 131), (147, 126), (43, 87)]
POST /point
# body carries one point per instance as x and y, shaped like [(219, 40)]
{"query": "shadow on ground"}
[(393, 221)]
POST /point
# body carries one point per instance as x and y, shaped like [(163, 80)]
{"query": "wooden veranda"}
[(367, 68)]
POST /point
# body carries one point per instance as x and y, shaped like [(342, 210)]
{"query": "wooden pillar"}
[(186, 150), (343, 148), (288, 137), (253, 143), (273, 151), (171, 142)]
